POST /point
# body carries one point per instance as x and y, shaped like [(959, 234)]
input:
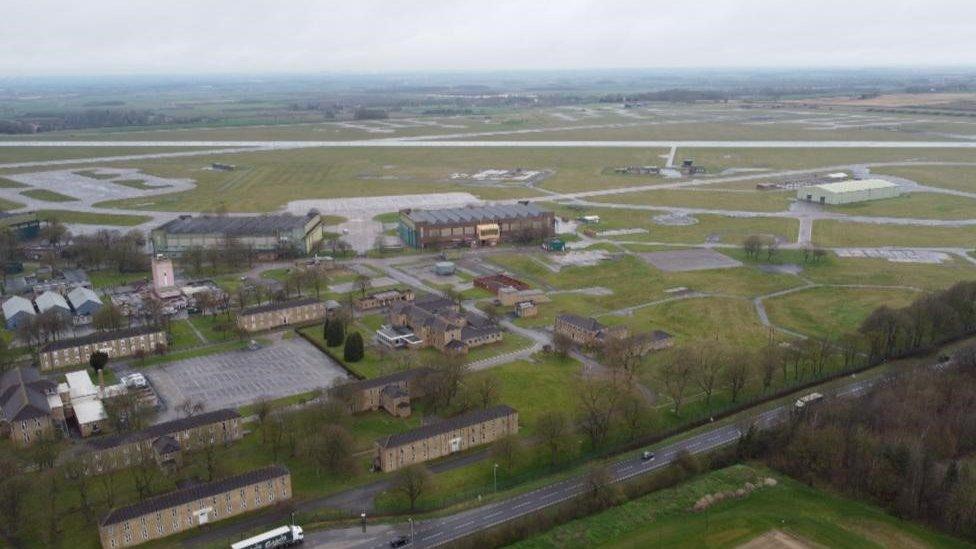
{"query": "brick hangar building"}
[(475, 225)]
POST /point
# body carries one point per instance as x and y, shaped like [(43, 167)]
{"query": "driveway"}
[(238, 378)]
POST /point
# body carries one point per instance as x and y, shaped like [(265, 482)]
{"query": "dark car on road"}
[(400, 541)]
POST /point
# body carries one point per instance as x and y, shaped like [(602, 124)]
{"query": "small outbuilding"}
[(849, 192), (17, 310), (444, 268)]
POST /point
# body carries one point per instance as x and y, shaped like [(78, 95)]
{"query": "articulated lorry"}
[(279, 537)]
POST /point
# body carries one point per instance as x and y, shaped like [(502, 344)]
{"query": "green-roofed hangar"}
[(849, 192)]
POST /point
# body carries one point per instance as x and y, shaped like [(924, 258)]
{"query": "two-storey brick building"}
[(182, 510), (121, 343), (275, 315)]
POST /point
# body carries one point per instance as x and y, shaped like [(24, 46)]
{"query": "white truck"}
[(279, 537), (807, 400)]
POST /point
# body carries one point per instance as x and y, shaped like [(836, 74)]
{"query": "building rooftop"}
[(262, 225), (81, 295), (473, 214), (856, 185), (188, 495), (451, 424), (280, 306), (162, 429), (23, 394), (50, 300), (99, 337), (582, 322), (405, 375), (17, 304)]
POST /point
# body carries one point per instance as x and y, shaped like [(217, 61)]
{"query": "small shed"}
[(555, 245), (444, 268), (17, 310), (84, 301)]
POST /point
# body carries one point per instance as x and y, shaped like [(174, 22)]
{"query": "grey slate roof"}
[(165, 445), (263, 225), (163, 429), (23, 394), (446, 426), (51, 300), (405, 375), (79, 296), (189, 495), (475, 214), (582, 322), (16, 305), (98, 337), (278, 306)]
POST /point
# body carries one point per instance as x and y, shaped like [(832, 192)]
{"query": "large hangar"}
[(849, 192)]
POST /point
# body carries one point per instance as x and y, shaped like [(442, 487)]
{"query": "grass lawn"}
[(48, 196), (832, 311), (210, 326), (841, 233), (714, 228), (917, 205), (716, 160), (112, 279), (92, 218), (40, 154), (182, 335), (534, 387), (663, 519), (135, 184), (10, 184), (94, 174), (728, 320), (960, 178), (389, 217), (754, 201)]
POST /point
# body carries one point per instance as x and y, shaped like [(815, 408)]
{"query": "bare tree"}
[(555, 432), (412, 481), (562, 344), (625, 356), (330, 448), (363, 283), (634, 411), (596, 401), (736, 374), (506, 451), (189, 408), (676, 374), (486, 390)]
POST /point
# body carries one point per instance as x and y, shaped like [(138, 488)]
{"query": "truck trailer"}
[(279, 537)]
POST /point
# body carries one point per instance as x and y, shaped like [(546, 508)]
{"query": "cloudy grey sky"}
[(186, 36)]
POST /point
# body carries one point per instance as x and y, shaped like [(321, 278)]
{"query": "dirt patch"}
[(581, 258), (884, 535), (777, 539), (689, 260)]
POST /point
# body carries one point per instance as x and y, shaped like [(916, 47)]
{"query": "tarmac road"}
[(440, 531)]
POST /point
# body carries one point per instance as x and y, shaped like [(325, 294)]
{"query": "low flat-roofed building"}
[(175, 512), (83, 402), (849, 192), (445, 437), (268, 234), (121, 450), (475, 225), (382, 299), (121, 343), (17, 310), (275, 315)]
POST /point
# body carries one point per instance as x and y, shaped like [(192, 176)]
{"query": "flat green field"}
[(808, 515), (266, 180), (710, 227), (716, 160), (835, 233), (753, 201), (917, 205), (92, 218), (39, 154), (48, 196), (883, 272), (9, 204), (832, 311), (959, 178)]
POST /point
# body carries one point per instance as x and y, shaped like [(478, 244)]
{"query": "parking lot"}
[(237, 378)]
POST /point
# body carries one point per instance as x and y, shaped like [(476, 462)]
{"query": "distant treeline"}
[(91, 118), (675, 96)]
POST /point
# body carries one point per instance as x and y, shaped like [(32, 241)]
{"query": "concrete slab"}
[(689, 260)]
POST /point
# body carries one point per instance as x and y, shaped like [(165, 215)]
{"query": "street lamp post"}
[(362, 516), (494, 474), (411, 528)]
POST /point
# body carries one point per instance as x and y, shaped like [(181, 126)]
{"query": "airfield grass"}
[(915, 205), (664, 518), (48, 196), (41, 154), (266, 180), (887, 273), (93, 218), (831, 312), (836, 233), (9, 204), (107, 278), (754, 201), (95, 174), (135, 184), (710, 227), (10, 184), (958, 178), (718, 159)]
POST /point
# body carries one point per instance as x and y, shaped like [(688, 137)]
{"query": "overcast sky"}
[(208, 36)]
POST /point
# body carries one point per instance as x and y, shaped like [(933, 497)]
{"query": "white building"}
[(849, 192)]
